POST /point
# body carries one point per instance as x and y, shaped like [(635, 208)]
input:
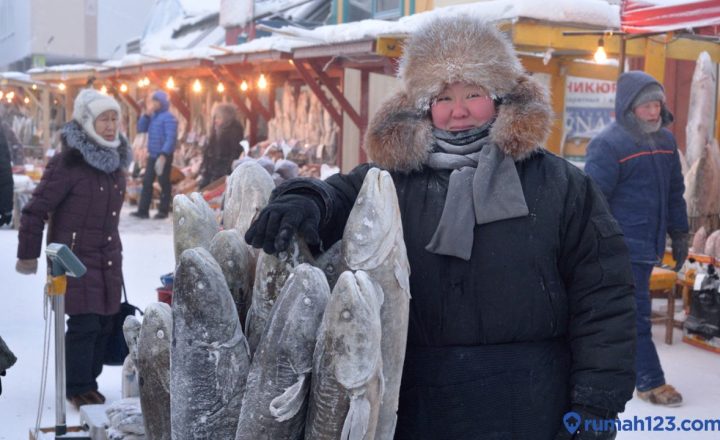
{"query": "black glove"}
[(679, 248), (599, 423), (281, 218), (6, 218)]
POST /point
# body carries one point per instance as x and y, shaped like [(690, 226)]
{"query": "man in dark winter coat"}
[(224, 145), (521, 287), (82, 190), (161, 128), (6, 182), (636, 164)]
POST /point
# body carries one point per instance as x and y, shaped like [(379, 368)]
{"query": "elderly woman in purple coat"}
[(81, 193)]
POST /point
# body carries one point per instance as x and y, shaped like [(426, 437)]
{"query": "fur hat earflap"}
[(90, 104), (457, 49)]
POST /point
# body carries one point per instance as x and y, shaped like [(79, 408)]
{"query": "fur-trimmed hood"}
[(105, 159), (446, 50)]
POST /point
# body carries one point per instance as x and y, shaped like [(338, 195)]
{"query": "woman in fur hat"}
[(224, 145), (522, 301), (82, 191)]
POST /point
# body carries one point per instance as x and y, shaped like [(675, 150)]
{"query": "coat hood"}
[(163, 99), (629, 86)]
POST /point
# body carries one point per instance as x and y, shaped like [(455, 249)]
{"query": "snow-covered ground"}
[(148, 253)]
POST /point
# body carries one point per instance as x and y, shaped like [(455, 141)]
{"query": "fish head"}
[(201, 297), (247, 191), (352, 318), (157, 326), (232, 254), (374, 222)]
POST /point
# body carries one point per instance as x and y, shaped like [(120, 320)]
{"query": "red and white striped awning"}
[(642, 17)]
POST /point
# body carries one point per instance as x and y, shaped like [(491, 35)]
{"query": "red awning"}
[(642, 17)]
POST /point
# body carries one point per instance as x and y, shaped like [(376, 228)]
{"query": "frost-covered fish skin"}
[(332, 263), (702, 189), (237, 262), (247, 191), (698, 131), (131, 331), (194, 223), (347, 381), (209, 358), (154, 370), (270, 276), (373, 242), (275, 401)]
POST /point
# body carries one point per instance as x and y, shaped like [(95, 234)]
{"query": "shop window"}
[(356, 10)]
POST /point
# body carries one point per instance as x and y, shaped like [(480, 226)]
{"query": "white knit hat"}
[(90, 104)]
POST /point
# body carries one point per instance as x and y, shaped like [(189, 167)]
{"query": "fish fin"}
[(402, 275), (285, 406), (357, 419)]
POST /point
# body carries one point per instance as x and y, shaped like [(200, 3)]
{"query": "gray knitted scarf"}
[(484, 187), (102, 158)]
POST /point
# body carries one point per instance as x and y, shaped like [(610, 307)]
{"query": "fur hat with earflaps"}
[(443, 51), (90, 104)]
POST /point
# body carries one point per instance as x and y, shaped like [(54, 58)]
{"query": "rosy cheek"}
[(484, 109)]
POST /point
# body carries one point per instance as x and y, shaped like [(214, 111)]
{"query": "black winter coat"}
[(540, 318), (6, 178), (85, 205), (222, 149)]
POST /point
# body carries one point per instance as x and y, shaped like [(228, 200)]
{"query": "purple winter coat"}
[(82, 190)]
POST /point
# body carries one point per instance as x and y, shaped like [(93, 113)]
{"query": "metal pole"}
[(58, 302), (623, 55)]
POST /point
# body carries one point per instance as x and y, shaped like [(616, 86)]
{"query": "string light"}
[(1, 94), (244, 86), (26, 100), (10, 96), (220, 88), (103, 90), (170, 84), (146, 81), (34, 86), (62, 87), (262, 82), (600, 54), (141, 83), (123, 88), (197, 86)]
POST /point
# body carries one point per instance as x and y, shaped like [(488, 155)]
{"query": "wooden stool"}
[(663, 284)]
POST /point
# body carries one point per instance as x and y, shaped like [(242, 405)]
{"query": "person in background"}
[(161, 128), (17, 155), (224, 144), (636, 164), (522, 302), (81, 193), (6, 182)]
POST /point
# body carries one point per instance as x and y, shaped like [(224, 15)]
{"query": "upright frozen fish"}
[(130, 381), (247, 191), (701, 110), (237, 262), (194, 223), (209, 358), (275, 402), (347, 378), (373, 242), (270, 276), (154, 370), (702, 189), (332, 263)]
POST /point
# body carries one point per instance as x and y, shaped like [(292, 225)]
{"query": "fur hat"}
[(457, 49), (90, 104), (652, 92), (227, 112)]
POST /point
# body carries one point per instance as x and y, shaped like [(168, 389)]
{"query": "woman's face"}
[(462, 107), (106, 125), (218, 120)]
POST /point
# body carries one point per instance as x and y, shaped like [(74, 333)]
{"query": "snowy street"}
[(149, 253)]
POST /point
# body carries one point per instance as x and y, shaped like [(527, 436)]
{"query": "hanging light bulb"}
[(62, 87), (1, 94), (262, 82), (34, 86), (9, 96), (103, 90), (244, 86), (26, 100), (220, 88), (123, 88), (170, 84), (197, 86), (146, 81), (140, 83), (600, 54)]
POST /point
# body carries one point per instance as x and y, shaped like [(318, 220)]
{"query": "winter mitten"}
[(679, 248), (281, 218), (160, 165), (6, 218), (27, 267), (596, 419)]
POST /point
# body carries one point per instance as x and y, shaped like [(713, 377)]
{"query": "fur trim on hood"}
[(105, 159), (399, 136), (447, 50)]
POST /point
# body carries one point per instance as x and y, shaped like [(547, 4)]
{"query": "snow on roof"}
[(199, 7), (66, 68), (235, 13), (19, 76), (282, 43)]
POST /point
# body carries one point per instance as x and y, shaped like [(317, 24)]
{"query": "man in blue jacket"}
[(161, 128), (635, 163)]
